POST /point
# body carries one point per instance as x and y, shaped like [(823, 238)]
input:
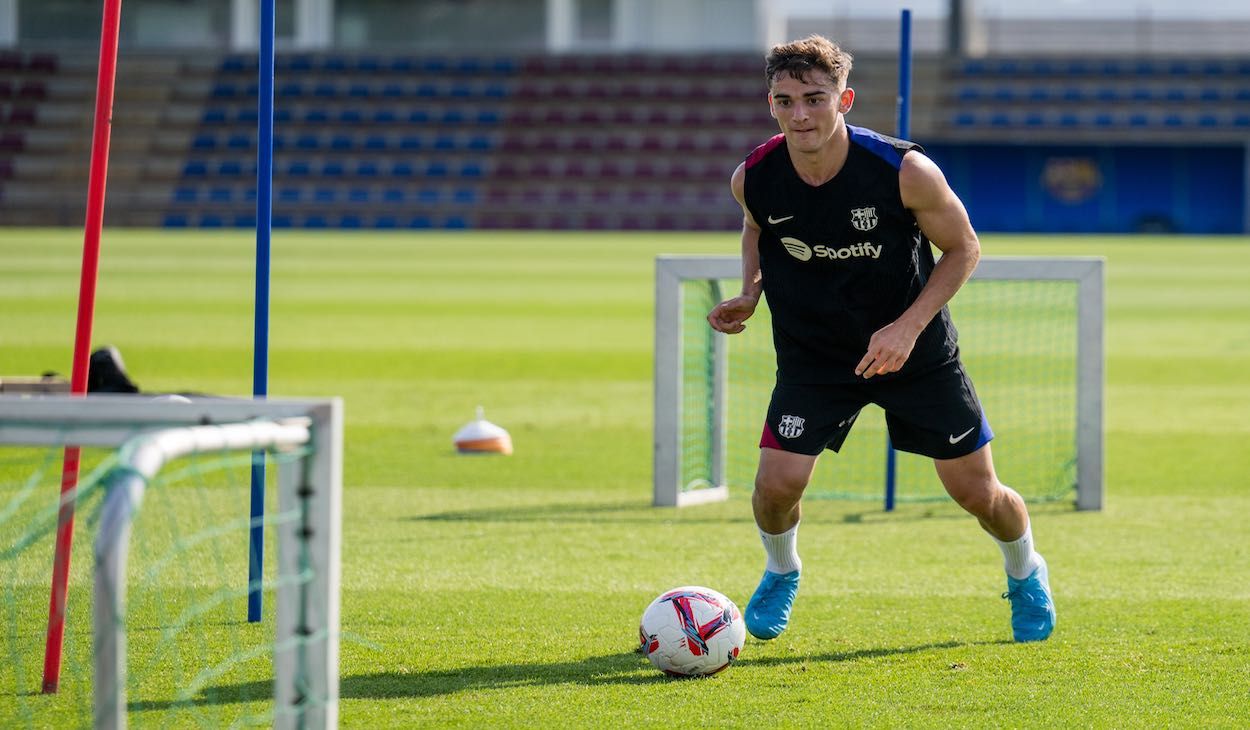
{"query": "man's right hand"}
[(729, 316)]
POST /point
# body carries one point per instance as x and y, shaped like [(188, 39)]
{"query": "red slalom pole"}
[(82, 336)]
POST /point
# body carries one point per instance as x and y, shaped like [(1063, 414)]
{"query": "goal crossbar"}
[(673, 270)]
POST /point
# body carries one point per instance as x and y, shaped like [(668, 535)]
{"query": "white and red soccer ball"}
[(692, 631)]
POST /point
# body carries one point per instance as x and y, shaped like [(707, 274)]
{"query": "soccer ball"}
[(691, 631)]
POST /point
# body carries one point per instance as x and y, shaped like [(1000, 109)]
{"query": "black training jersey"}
[(840, 260)]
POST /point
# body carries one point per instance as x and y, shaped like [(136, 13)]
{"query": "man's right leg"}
[(779, 485)]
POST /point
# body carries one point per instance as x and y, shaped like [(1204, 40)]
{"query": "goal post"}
[(1031, 336), (143, 435)]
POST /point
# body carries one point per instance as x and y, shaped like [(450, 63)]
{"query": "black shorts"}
[(935, 413)]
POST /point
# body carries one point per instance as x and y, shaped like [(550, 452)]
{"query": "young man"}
[(837, 227)]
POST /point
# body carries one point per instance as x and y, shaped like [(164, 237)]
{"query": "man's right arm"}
[(730, 315)]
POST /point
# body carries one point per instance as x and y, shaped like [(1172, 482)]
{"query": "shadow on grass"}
[(592, 512), (623, 668), (644, 513)]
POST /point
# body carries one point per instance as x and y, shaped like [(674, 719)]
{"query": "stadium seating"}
[(601, 141)]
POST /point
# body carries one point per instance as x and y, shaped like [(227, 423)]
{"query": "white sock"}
[(1019, 558), (783, 554)]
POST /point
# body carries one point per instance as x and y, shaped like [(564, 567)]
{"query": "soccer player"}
[(838, 223)]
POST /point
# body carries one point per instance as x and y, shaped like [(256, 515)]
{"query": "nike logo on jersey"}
[(962, 436), (774, 221)]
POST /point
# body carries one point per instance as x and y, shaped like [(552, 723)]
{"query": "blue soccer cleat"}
[(1032, 608), (768, 612)]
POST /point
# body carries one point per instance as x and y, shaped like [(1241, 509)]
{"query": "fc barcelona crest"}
[(864, 219), (790, 427)]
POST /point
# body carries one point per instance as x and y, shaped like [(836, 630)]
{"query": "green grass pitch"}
[(505, 592)]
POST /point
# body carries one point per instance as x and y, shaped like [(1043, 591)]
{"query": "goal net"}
[(1030, 335), (156, 629)]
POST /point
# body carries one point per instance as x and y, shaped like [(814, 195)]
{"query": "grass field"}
[(489, 592)]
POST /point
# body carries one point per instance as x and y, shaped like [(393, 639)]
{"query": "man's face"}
[(808, 112)]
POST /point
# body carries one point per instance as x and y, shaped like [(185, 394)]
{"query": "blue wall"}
[(1098, 189)]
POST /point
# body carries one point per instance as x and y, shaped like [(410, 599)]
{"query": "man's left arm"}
[(944, 220)]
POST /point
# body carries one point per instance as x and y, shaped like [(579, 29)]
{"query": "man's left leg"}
[(972, 483)]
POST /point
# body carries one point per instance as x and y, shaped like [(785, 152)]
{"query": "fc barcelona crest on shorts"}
[(790, 427), (864, 219)]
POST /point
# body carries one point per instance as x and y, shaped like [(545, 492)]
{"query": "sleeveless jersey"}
[(840, 260)]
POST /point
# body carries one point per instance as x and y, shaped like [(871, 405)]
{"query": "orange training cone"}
[(483, 437)]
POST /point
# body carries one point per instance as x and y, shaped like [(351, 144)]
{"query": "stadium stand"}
[(567, 141)]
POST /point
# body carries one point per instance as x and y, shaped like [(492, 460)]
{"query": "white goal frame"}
[(153, 432), (672, 270)]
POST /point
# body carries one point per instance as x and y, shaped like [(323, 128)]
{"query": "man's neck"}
[(819, 167)]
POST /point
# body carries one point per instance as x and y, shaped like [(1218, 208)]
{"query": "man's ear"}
[(846, 100), (772, 111)]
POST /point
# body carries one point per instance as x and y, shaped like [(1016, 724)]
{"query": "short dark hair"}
[(800, 58)]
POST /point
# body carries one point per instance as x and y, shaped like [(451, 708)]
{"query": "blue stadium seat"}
[(418, 116), (385, 221), (428, 196), (350, 220), (334, 64), (393, 195), (281, 115), (358, 91), (307, 141), (224, 90), (1000, 119), (236, 64), (1208, 121), (401, 64), (333, 168), (410, 142), (358, 195), (204, 141), (239, 142), (452, 116), (315, 220), (341, 142), (964, 119), (375, 142), (420, 221), (969, 93), (232, 168), (299, 168), (426, 90), (497, 91), (471, 169), (220, 195), (402, 169), (1104, 119), (480, 142), (1209, 93), (325, 90), (174, 220), (316, 115), (1034, 120), (297, 64), (287, 194), (290, 90), (195, 168), (455, 222), (445, 142), (185, 194), (211, 220), (488, 116), (215, 115), (351, 116), (392, 90), (436, 168), (324, 195), (245, 220), (368, 64), (466, 196), (1241, 120), (384, 116), (366, 168)]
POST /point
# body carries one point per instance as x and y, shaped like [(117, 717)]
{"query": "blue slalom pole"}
[(902, 130), (260, 343)]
